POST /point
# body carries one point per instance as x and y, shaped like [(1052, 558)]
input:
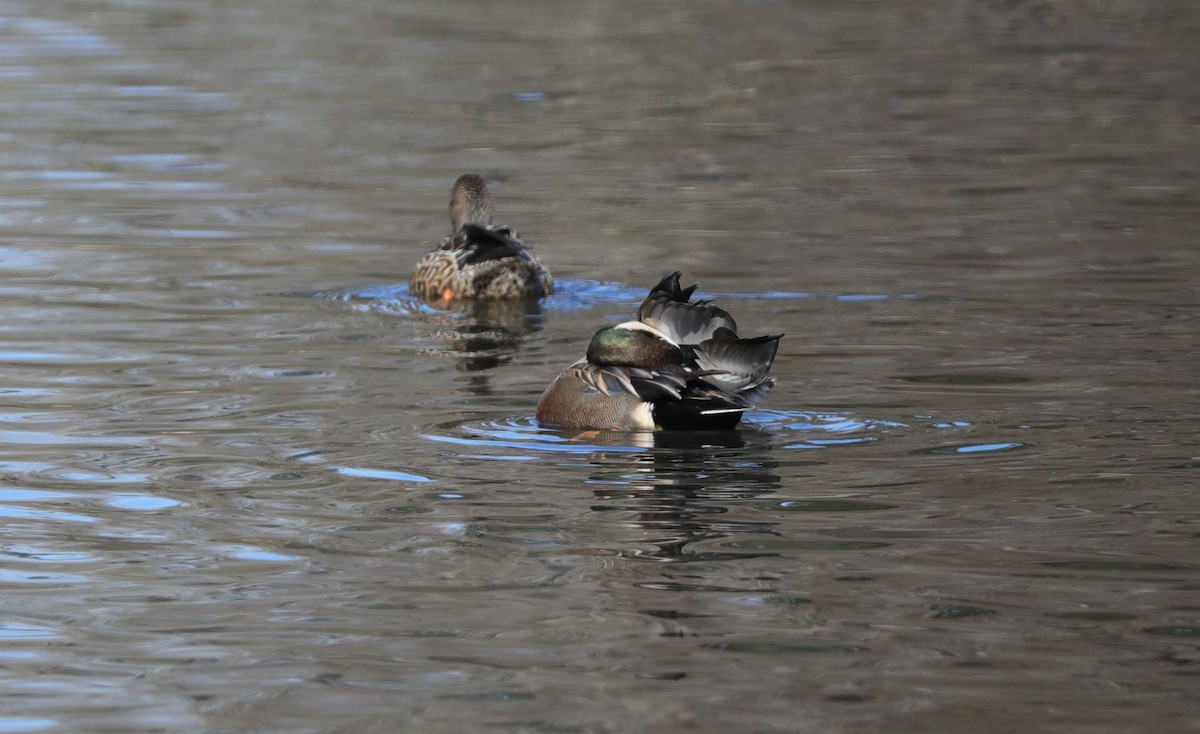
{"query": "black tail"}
[(738, 365)]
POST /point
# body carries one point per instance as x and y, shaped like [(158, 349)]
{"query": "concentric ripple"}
[(524, 435), (819, 430), (569, 295), (522, 439)]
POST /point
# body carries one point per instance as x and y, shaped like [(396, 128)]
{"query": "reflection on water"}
[(684, 491), (481, 335), (787, 429), (679, 489), (248, 484), (569, 295)]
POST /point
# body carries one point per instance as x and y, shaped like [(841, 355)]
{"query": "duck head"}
[(633, 344), (470, 202)]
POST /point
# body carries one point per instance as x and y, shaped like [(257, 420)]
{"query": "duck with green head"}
[(679, 366), (478, 259)]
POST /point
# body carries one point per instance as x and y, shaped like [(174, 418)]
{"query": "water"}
[(249, 485)]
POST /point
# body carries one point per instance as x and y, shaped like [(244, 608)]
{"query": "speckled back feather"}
[(478, 260)]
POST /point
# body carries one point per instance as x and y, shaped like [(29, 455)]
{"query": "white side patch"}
[(639, 326), (643, 416), (719, 411)]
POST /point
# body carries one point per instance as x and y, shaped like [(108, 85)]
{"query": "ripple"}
[(945, 610), (778, 648), (9, 576), (29, 554), (254, 553), (1114, 565), (786, 424), (25, 632), (488, 696), (395, 475), (967, 379), (20, 438), (141, 502), (50, 175), (23, 724), (821, 442), (296, 374), (784, 295), (95, 477), (1174, 630), (391, 298), (27, 356), (22, 258), (125, 185), (525, 435), (569, 295), (390, 474), (165, 162), (682, 587), (53, 37), (819, 505), (10, 494), (575, 295), (824, 422), (973, 448), (1093, 616), (778, 544), (191, 405), (26, 513), (208, 100)]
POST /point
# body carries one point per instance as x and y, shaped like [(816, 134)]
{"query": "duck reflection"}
[(484, 273), (688, 488), (481, 335)]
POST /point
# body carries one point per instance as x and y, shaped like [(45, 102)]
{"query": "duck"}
[(478, 259), (679, 366)]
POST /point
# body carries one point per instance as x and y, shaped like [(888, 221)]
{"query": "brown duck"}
[(478, 259), (679, 366)]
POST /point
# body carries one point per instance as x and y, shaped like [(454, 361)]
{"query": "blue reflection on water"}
[(569, 295), (22, 724), (986, 447), (391, 474), (539, 442)]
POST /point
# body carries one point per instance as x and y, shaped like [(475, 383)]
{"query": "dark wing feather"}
[(703, 407), (755, 395), (666, 308), (644, 383), (737, 364), (713, 395), (477, 243)]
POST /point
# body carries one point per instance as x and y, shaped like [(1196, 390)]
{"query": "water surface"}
[(249, 485)]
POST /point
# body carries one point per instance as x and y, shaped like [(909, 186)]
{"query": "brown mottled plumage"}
[(479, 259), (679, 366)]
